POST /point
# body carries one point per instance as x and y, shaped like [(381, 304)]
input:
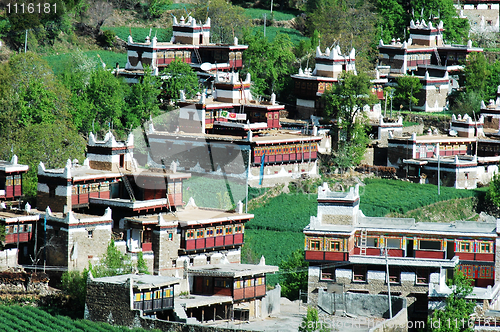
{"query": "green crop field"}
[(16, 318), (57, 62), (209, 192), (277, 15), (381, 196), (271, 32)]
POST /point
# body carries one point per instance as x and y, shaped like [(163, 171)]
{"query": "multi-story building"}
[(11, 180), (345, 247), (190, 43), (309, 85), (426, 56)]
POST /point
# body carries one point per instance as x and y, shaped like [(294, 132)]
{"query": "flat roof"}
[(195, 301), (141, 281), (9, 216), (192, 217), (275, 136), (408, 225), (232, 270)]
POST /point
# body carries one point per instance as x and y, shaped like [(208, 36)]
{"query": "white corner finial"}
[(27, 207), (13, 161), (262, 261)]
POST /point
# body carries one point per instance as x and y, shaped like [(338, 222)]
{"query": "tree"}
[(179, 76), (311, 322), (344, 101), (349, 24), (493, 193), (143, 99), (406, 90), (269, 63), (477, 74), (112, 263), (456, 314), (294, 275), (227, 21), (392, 19)]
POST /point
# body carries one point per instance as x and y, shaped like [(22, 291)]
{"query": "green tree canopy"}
[(269, 63), (179, 76), (406, 90), (455, 317), (344, 102), (294, 275), (477, 74), (227, 21)]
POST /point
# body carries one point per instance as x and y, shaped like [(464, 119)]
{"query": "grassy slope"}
[(57, 62)]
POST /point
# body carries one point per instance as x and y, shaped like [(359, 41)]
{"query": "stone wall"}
[(75, 248), (166, 251), (398, 323), (270, 304), (107, 302), (56, 203), (366, 305), (24, 283), (8, 258), (375, 284)]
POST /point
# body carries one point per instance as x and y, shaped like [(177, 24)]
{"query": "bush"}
[(107, 38)]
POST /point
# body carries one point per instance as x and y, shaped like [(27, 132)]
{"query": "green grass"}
[(17, 318), (409, 123), (57, 62), (277, 15), (271, 32), (139, 34), (209, 192), (382, 196)]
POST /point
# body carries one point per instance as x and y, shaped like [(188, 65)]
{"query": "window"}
[(394, 274), (229, 230), (485, 247), (189, 234), (238, 284), (90, 234), (465, 246), (422, 276), (327, 273), (393, 243), (221, 283), (335, 245), (249, 283), (430, 245), (174, 263), (359, 273), (52, 191), (191, 262), (259, 281), (315, 245), (170, 236), (199, 234)]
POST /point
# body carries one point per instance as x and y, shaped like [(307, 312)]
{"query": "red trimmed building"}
[(425, 56), (11, 180), (190, 43), (344, 246)]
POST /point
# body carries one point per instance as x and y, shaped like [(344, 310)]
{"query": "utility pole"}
[(439, 170), (26, 41), (264, 25), (388, 280)]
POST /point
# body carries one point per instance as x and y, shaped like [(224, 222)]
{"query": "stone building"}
[(74, 239), (482, 14), (119, 299), (190, 43), (458, 165), (426, 56), (362, 254)]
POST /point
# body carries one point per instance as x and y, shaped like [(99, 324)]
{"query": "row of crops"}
[(16, 318)]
